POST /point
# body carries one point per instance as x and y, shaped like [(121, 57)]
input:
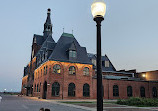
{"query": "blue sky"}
[(129, 32)]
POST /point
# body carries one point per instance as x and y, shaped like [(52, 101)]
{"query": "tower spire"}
[(48, 25)]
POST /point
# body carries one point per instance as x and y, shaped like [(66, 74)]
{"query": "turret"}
[(48, 25)]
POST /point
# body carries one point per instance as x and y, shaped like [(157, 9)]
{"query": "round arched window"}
[(86, 71), (72, 70), (57, 69)]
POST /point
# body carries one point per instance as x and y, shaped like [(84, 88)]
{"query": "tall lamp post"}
[(98, 9)]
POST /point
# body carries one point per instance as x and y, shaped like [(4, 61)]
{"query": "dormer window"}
[(72, 53), (94, 62), (107, 63)]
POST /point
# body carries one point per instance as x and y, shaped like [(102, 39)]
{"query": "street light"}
[(98, 9)]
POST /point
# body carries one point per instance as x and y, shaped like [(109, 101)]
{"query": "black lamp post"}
[(98, 9)]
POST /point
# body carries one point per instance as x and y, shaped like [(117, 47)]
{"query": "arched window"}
[(115, 90), (40, 87), (71, 89), (86, 71), (86, 90), (37, 87), (46, 69), (49, 70), (57, 69), (129, 91), (72, 70), (41, 72), (55, 89), (154, 91), (142, 91)]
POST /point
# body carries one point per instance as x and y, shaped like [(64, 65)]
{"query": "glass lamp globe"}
[(98, 8)]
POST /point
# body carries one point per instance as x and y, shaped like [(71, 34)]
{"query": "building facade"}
[(64, 70)]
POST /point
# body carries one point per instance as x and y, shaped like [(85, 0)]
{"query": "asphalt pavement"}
[(15, 103)]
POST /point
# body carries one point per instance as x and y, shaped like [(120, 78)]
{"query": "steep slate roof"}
[(111, 67), (38, 39), (48, 44), (64, 44), (104, 58)]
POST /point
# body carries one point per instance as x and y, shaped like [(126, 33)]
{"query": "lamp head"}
[(98, 8)]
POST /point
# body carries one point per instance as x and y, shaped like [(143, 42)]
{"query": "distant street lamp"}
[(98, 9)]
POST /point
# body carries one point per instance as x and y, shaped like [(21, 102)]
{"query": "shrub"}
[(138, 102)]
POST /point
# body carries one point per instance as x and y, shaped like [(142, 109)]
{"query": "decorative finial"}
[(63, 30), (49, 10)]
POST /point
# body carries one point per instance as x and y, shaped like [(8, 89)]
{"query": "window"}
[(37, 87), (57, 69), (154, 92), (41, 72), (71, 89), (106, 63), (40, 87), (55, 89), (49, 69), (72, 70), (72, 53), (115, 90), (94, 62), (129, 91), (86, 90), (46, 69), (142, 91), (86, 71)]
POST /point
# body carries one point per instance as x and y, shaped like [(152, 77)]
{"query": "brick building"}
[(64, 70)]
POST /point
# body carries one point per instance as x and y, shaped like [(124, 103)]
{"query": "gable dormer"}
[(72, 51)]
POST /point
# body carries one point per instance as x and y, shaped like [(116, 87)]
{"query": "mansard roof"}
[(66, 42)]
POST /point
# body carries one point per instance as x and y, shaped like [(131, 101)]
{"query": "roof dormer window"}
[(72, 53), (107, 63)]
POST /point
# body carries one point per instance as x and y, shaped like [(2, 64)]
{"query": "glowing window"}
[(57, 69)]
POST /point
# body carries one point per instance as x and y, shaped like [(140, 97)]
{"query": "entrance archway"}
[(44, 90)]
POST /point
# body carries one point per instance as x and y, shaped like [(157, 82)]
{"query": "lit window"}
[(86, 71), (72, 70), (57, 69), (106, 63), (72, 53)]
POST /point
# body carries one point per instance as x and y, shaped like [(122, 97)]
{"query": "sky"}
[(129, 33)]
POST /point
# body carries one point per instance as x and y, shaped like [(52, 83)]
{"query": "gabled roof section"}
[(72, 46), (48, 44), (60, 52), (38, 39), (104, 58)]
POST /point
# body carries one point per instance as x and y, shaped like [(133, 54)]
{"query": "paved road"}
[(14, 103)]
